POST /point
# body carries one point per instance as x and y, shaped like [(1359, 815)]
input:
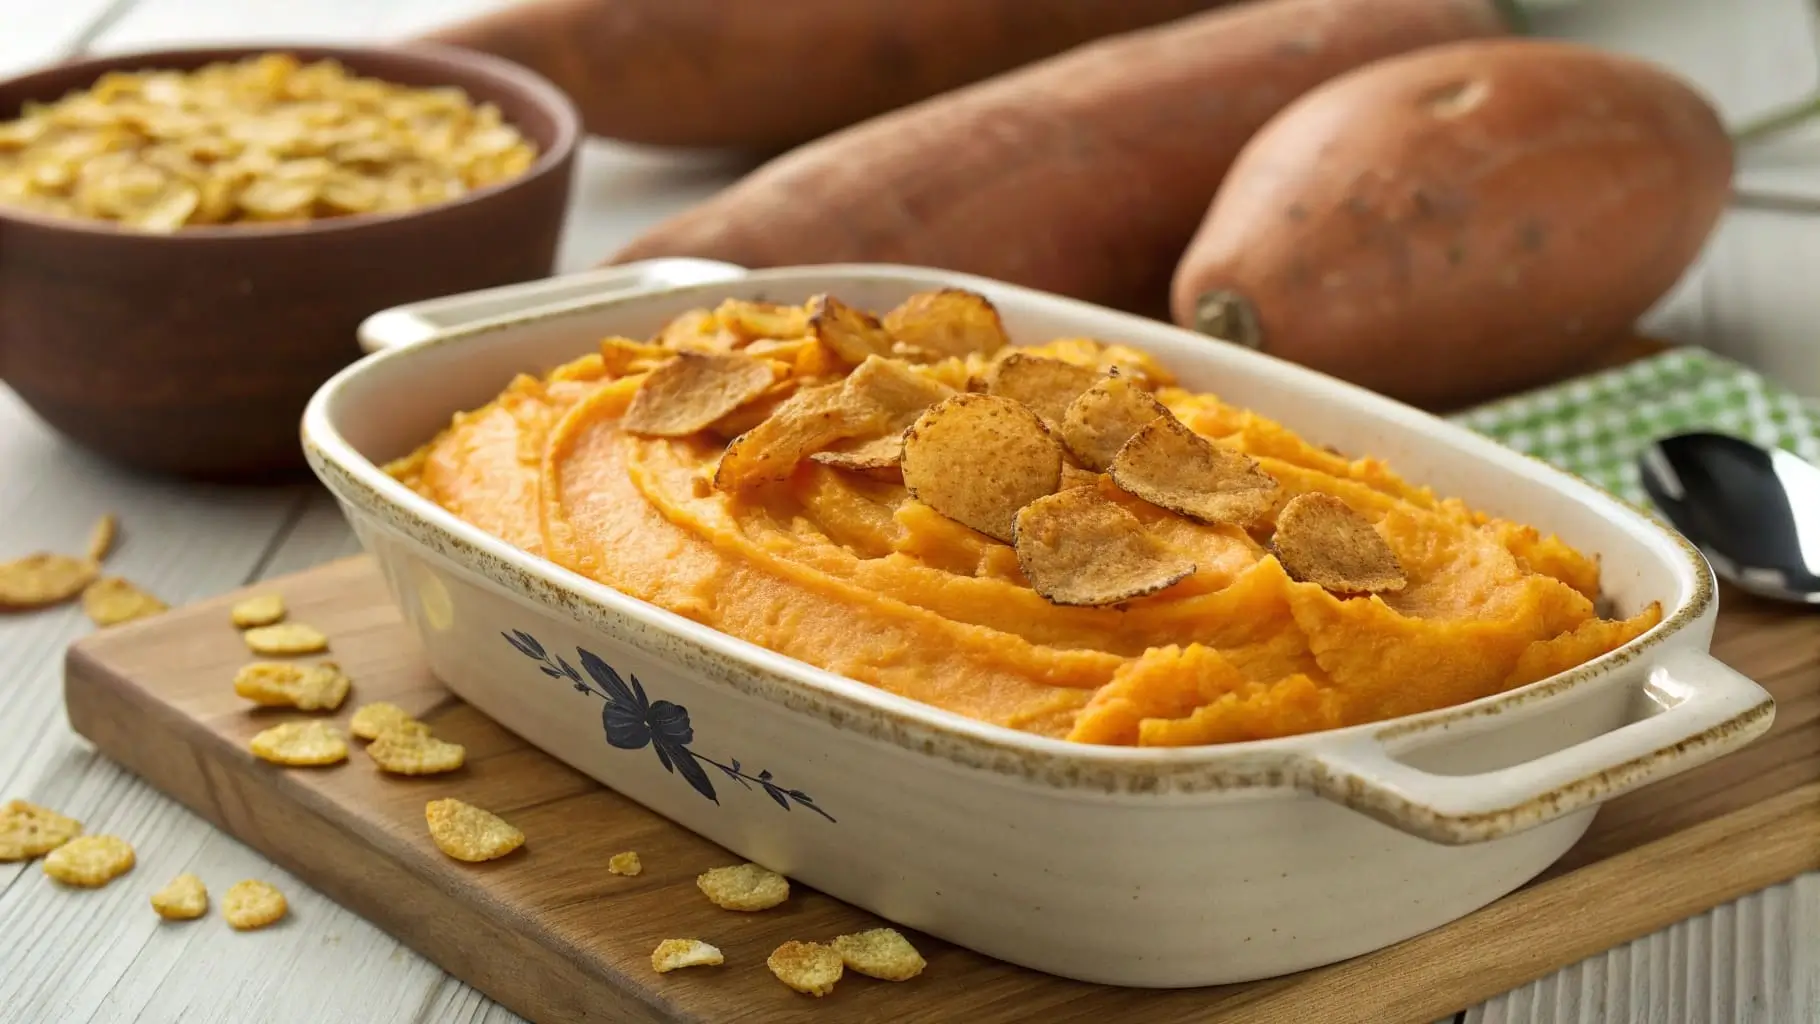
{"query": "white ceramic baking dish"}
[(1143, 867)]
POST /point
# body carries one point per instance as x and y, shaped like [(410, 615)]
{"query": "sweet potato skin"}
[(765, 75), (1084, 174), (1459, 223)]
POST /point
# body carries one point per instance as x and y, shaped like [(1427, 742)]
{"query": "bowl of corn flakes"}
[(189, 239)]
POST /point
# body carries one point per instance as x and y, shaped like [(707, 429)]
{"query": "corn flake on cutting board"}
[(549, 932)]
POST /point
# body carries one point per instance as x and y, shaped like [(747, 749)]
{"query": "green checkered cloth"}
[(1595, 426)]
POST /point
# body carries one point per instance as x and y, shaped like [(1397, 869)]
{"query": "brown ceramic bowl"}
[(194, 353)]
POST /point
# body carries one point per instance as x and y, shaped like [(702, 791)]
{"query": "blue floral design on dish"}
[(632, 721)]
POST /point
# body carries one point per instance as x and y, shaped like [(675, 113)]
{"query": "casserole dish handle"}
[(419, 321), (1707, 709)]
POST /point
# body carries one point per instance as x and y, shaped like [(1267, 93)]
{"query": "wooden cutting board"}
[(548, 932)]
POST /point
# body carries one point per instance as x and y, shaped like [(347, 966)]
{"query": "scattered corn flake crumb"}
[(279, 684), (90, 862), (285, 638), (258, 610), (672, 954), (185, 898), (27, 830), (408, 751), (43, 579), (302, 744), (808, 967), (373, 720), (626, 863), (746, 887), (252, 904), (110, 600), (880, 953), (101, 537), (466, 832)]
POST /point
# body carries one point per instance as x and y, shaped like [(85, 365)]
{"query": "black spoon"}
[(1754, 512)]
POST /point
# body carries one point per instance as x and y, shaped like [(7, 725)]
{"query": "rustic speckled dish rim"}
[(503, 74), (1257, 765)]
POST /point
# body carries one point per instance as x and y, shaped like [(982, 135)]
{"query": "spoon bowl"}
[(1753, 512)]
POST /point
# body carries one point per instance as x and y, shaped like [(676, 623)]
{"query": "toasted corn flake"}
[(745, 887), (319, 687), (373, 720), (284, 639), (808, 421), (851, 334), (184, 898), (466, 832), (977, 459), (674, 954), (43, 579), (258, 610), (948, 322), (626, 863), (1322, 540), (879, 456), (808, 967), (90, 862), (111, 600), (880, 953), (1172, 467), (1078, 548), (101, 537), (1102, 418), (260, 139), (27, 830), (1047, 386), (301, 744), (692, 390), (253, 904), (407, 751)]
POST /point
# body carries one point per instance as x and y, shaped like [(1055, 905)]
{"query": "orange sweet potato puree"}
[(848, 573)]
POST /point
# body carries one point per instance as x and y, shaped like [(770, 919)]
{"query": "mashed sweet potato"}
[(844, 570)]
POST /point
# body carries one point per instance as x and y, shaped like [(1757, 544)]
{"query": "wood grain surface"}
[(551, 935)]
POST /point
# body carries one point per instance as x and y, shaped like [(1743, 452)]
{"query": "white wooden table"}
[(102, 956)]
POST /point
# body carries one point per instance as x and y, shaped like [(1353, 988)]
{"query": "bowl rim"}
[(922, 728), (467, 65)]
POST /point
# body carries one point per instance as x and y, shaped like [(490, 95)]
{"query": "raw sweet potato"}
[(1084, 174), (1461, 222), (768, 75)]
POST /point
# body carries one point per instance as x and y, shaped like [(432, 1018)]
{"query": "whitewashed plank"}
[(179, 541), (1748, 962), (1763, 303), (183, 543), (190, 22), (337, 959), (621, 190), (167, 23), (34, 33), (319, 534), (457, 1003), (400, 18), (1749, 56), (323, 963)]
